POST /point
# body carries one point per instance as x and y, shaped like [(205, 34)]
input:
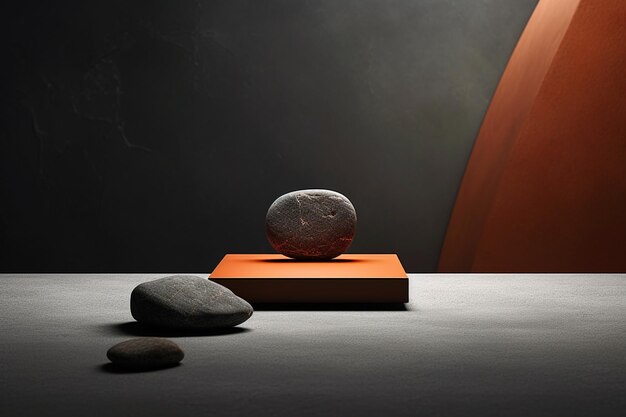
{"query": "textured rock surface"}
[(146, 353), (311, 224), (185, 301)]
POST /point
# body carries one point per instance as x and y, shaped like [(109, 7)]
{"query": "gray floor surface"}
[(515, 345)]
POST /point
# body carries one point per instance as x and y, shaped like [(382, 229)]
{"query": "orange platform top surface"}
[(279, 266)]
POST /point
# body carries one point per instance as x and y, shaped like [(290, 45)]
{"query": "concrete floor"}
[(515, 345)]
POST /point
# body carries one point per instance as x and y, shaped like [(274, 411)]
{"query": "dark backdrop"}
[(153, 136)]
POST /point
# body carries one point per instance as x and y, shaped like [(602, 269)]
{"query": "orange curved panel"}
[(545, 187)]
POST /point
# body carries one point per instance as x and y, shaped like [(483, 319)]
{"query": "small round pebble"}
[(146, 353), (311, 224)]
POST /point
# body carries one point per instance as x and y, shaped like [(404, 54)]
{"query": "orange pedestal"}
[(346, 279)]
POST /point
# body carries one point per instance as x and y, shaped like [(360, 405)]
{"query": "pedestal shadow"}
[(330, 307)]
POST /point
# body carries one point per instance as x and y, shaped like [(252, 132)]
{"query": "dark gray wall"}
[(153, 136)]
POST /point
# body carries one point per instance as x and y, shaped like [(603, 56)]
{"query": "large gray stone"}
[(187, 302), (146, 353), (311, 224)]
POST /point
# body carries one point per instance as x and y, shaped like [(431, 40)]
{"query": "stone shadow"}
[(298, 261), (111, 368), (134, 328)]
